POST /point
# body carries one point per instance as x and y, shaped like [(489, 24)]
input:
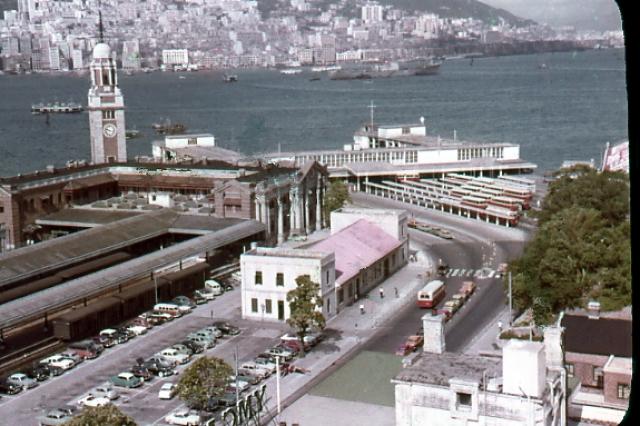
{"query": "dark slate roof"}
[(603, 336)]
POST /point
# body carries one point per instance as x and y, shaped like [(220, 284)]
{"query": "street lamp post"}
[(510, 301), (155, 285), (278, 383)]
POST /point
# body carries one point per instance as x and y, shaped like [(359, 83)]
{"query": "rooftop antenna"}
[(371, 107), (100, 26)]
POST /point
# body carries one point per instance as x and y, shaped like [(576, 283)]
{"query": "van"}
[(86, 349), (168, 308), (214, 286)]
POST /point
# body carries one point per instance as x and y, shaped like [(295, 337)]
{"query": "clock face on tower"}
[(109, 130)]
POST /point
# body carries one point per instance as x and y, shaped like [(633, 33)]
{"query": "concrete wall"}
[(393, 222), (445, 155), (583, 365), (611, 382), (319, 266), (511, 153)]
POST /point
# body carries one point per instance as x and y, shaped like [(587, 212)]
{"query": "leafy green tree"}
[(108, 415), (581, 250), (336, 197), (304, 302), (205, 378)]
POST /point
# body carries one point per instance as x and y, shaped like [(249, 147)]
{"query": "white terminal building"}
[(365, 247), (408, 151)]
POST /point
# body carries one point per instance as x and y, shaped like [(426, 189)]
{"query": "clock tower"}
[(106, 109)]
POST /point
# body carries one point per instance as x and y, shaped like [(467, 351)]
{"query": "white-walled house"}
[(268, 274)]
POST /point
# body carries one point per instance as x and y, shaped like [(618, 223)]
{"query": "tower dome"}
[(102, 51)]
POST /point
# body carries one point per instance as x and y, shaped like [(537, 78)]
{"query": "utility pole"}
[(278, 383), (155, 285), (235, 358), (510, 301)]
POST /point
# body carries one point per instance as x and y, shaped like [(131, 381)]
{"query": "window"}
[(192, 141), (623, 390), (463, 401), (597, 376), (327, 277), (280, 279), (340, 295), (254, 305), (406, 130), (267, 304), (258, 280), (108, 114), (570, 370), (1, 209)]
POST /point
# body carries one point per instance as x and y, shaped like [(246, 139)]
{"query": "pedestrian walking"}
[(500, 326), (396, 290), (362, 308), (381, 293)]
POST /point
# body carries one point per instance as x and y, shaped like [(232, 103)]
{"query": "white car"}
[(77, 359), (255, 369), (175, 356), (59, 361), (106, 391), (183, 417), (167, 391), (93, 401), (206, 294), (138, 330)]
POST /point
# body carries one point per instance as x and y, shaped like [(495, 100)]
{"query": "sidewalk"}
[(346, 332), (487, 341)]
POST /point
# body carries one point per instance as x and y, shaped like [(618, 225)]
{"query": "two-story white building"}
[(268, 274)]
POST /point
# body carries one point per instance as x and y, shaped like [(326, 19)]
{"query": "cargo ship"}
[(389, 69)]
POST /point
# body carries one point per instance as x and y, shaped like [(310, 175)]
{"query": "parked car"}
[(93, 401), (254, 380), (410, 345), (228, 399), (214, 286), (142, 372), (309, 340), (193, 345), (293, 345), (173, 355), (182, 349), (460, 298), (55, 417), (163, 361), (126, 380), (141, 320), (255, 369), (137, 329), (198, 299), (104, 341), (184, 301), (204, 293), (22, 380), (72, 355), (213, 330), (106, 391), (242, 385), (9, 388), (207, 342), (157, 368), (158, 318), (86, 349), (167, 391), (183, 416), (266, 363), (39, 372), (206, 334), (450, 307), (226, 328), (468, 287), (128, 334), (114, 336), (281, 351), (59, 361)]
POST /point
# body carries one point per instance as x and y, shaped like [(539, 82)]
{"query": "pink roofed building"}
[(365, 255)]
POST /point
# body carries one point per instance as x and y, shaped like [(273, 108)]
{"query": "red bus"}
[(514, 204), (431, 294)]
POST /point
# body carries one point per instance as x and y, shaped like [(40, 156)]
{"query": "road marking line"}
[(491, 273), (455, 272), (470, 273), (477, 273)]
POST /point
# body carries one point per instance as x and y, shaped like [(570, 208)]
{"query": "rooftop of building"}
[(601, 336), (438, 369), (356, 246), (189, 135), (368, 211), (291, 253), (211, 153), (117, 232), (368, 168)]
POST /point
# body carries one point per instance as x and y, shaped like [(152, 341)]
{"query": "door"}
[(281, 310)]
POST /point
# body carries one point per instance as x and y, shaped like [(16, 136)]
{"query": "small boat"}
[(230, 78), (182, 77), (542, 66), (56, 107), (314, 79), (131, 133), (290, 71), (167, 128)]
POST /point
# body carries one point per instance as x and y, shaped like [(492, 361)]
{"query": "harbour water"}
[(557, 106)]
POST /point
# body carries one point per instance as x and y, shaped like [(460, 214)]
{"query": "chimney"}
[(593, 309), (523, 368), (554, 354), (433, 329)]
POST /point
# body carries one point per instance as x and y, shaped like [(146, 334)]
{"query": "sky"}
[(600, 15)]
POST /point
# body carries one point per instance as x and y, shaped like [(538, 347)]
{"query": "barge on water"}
[(56, 107)]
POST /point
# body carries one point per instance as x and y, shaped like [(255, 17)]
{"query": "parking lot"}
[(142, 403)]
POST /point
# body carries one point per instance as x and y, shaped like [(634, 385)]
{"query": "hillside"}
[(459, 9)]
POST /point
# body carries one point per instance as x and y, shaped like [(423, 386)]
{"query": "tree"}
[(304, 302), (108, 415), (337, 195), (205, 378)]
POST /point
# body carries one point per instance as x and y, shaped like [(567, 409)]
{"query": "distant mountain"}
[(460, 9)]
